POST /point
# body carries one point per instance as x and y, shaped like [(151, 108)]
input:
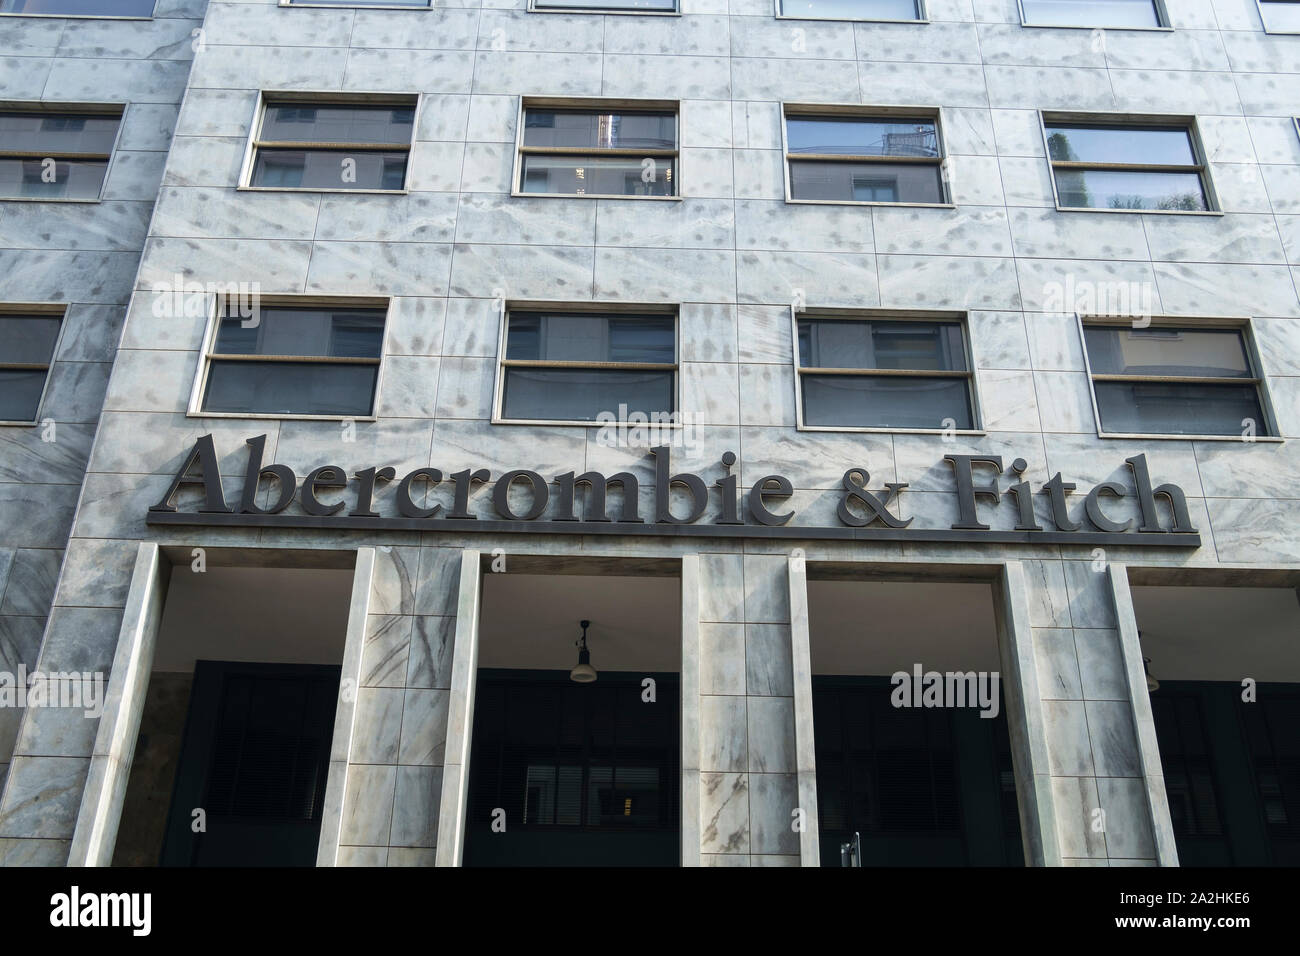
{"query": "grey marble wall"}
[(82, 256), (731, 254)]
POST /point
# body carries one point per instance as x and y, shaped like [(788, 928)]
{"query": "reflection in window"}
[(55, 155), (574, 366), (296, 361), (333, 146), (837, 158), (851, 9), (884, 373), (1155, 168), (26, 353), (1174, 381), (576, 152), (1280, 16)]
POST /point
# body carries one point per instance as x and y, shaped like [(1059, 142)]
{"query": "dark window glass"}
[(376, 125), (288, 331), (1091, 13), (1280, 17), (1146, 405), (603, 172), (581, 394), (863, 137), (599, 175), (1156, 408), (592, 130), (1185, 759), (884, 401), (345, 158), (80, 8), (24, 341), (50, 171), (851, 9), (329, 169), (1210, 353), (866, 181), (266, 386), (917, 346), (289, 388)]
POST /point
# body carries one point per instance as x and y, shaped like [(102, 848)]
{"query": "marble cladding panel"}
[(732, 252)]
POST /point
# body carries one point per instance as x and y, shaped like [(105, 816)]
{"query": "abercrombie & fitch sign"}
[(525, 501)]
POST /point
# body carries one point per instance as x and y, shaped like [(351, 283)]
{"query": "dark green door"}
[(1232, 771), (567, 774), (922, 786), (254, 760)]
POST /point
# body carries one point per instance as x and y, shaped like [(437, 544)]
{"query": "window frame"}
[(266, 98), (591, 308), (1162, 15), (1269, 431), (923, 9), (1259, 7), (51, 310), (592, 104), (867, 113), (598, 10), (971, 375), (1118, 121), (195, 408), (82, 16), (60, 107)]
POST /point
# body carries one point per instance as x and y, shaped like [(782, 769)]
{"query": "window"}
[(290, 360), (888, 372), (569, 366), (1093, 13), (607, 6), (1280, 16), (56, 154), (26, 352), (847, 157), (1138, 167), (138, 9), (317, 145), (851, 9), (1174, 381), (598, 151)]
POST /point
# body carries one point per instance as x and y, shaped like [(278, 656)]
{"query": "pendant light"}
[(583, 672), (1152, 684)]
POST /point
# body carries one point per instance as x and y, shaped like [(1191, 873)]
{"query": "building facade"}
[(895, 402)]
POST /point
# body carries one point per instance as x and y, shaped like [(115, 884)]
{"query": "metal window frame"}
[(962, 319), (594, 309), (83, 16), (597, 9), (1245, 325), (593, 105), (1179, 121), (325, 99), (207, 354), (36, 310), (1259, 8), (840, 110), (60, 107), (1162, 15), (922, 9)]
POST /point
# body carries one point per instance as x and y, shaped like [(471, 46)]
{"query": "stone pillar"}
[(805, 745), (748, 783), (393, 788), (1099, 790), (123, 705)]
